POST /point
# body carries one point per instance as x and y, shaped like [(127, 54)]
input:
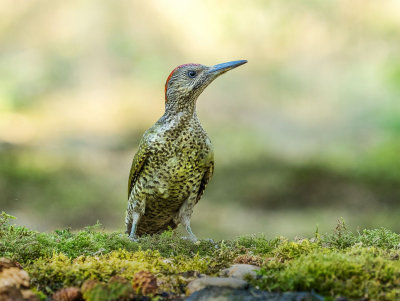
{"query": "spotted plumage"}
[(175, 159)]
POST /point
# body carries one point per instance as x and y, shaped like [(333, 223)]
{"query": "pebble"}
[(230, 294), (204, 282), (14, 282), (240, 271)]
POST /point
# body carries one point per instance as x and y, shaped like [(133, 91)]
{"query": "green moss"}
[(381, 237), (341, 263), (113, 290), (60, 270), (24, 245), (257, 244), (357, 272), (4, 219), (290, 250), (343, 238)]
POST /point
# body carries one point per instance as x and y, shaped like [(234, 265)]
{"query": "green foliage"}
[(4, 218), (258, 244), (341, 263), (355, 272), (113, 290), (341, 236), (382, 238), (24, 245), (290, 250), (170, 243), (59, 270)]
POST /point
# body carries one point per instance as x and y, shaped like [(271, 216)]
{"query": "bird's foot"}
[(133, 238), (210, 240), (191, 238)]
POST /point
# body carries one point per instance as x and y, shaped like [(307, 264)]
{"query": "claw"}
[(210, 240), (191, 238), (133, 238)]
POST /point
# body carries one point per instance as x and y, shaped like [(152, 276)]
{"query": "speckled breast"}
[(173, 171)]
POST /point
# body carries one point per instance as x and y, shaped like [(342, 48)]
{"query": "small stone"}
[(14, 282), (201, 283), (240, 271), (229, 294)]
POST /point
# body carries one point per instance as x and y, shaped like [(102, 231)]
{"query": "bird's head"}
[(186, 82)]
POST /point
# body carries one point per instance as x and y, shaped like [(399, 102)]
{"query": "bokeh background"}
[(307, 132)]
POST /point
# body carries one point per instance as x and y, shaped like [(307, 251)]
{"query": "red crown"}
[(172, 72)]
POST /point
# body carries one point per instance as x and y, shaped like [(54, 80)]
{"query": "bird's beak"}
[(224, 67), (214, 71)]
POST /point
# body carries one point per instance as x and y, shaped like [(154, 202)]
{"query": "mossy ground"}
[(343, 263)]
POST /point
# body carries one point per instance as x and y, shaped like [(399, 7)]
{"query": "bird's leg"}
[(133, 214), (184, 215), (186, 223), (135, 219)]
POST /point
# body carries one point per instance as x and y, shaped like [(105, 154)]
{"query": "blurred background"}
[(307, 132)]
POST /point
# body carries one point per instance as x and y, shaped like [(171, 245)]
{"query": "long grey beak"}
[(224, 67)]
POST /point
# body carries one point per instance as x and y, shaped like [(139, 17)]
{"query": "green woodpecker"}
[(175, 159)]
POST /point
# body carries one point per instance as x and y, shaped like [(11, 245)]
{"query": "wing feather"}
[(137, 164), (206, 178)]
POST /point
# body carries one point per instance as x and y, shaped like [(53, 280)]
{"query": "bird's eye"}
[(192, 73)]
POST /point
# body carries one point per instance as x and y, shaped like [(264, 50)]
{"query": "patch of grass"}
[(60, 270), (257, 244), (342, 238), (381, 237), (355, 272), (342, 263), (24, 245)]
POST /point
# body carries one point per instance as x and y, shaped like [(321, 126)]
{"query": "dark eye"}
[(192, 73)]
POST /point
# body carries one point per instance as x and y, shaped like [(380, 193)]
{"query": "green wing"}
[(138, 163), (206, 178)]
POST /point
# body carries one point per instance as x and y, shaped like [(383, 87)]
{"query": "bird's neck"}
[(178, 116), (184, 108)]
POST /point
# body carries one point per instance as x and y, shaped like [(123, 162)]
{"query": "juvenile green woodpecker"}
[(175, 159)]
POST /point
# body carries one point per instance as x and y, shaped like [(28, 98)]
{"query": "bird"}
[(175, 158)]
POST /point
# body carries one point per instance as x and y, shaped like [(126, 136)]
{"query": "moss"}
[(117, 289), (257, 244), (356, 272), (170, 243), (381, 237), (24, 245), (341, 263), (290, 250), (343, 238), (60, 270)]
